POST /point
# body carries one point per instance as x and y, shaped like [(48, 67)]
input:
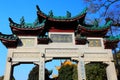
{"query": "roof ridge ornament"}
[(96, 23), (50, 13), (37, 7), (109, 23), (68, 14), (10, 20), (22, 21), (36, 22)]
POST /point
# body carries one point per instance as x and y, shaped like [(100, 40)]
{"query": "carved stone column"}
[(42, 68), (81, 69), (111, 72)]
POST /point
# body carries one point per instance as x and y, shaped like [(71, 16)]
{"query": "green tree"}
[(68, 72), (1, 77), (96, 71), (34, 74), (117, 55), (75, 72)]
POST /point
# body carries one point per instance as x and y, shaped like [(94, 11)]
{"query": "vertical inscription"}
[(41, 71), (82, 69)]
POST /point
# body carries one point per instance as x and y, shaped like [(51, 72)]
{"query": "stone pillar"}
[(8, 70), (42, 68), (7, 74), (81, 69), (111, 72)]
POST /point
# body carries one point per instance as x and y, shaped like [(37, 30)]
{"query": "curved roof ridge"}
[(94, 27), (24, 25), (61, 17), (8, 37), (113, 38), (10, 41)]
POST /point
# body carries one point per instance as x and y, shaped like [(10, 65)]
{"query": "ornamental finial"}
[(50, 13), (37, 7), (68, 14), (22, 20), (96, 23), (36, 22), (11, 21)]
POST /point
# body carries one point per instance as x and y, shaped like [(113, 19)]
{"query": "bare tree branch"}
[(95, 7), (108, 6)]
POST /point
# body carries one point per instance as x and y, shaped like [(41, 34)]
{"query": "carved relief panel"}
[(94, 43), (27, 42)]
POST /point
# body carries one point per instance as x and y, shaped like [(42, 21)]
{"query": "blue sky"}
[(27, 8)]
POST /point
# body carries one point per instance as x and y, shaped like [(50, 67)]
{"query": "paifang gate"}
[(52, 37)]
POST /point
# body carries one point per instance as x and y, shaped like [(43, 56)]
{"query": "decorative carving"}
[(28, 42), (43, 55), (62, 50), (25, 55), (82, 66), (94, 43), (96, 23), (51, 13), (36, 22), (10, 20), (22, 21), (9, 59), (42, 70), (68, 15), (38, 8)]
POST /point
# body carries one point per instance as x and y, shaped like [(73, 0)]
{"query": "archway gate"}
[(39, 54), (61, 37)]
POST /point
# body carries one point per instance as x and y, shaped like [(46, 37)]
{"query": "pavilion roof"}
[(11, 37), (10, 41), (26, 28), (94, 30), (111, 42)]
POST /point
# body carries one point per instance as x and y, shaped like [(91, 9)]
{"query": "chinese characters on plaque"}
[(61, 38)]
